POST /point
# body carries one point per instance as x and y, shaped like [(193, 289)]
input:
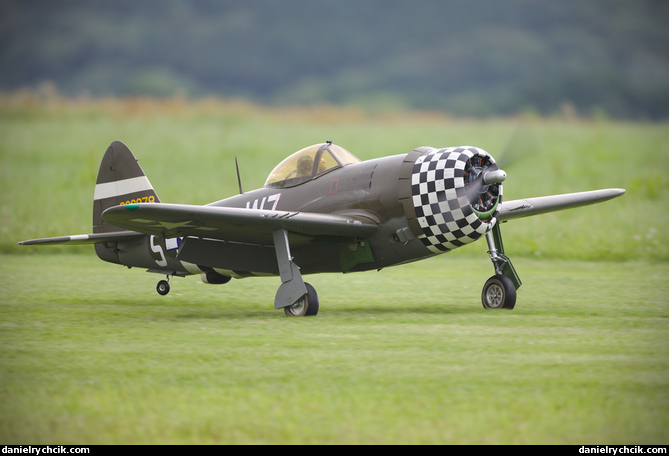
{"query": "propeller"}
[(482, 179), (482, 176), (523, 143)]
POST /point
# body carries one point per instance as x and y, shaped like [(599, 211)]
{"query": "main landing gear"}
[(499, 291), (297, 298)]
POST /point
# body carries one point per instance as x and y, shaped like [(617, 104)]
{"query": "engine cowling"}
[(454, 195)]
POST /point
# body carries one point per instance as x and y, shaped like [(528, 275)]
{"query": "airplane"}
[(321, 210)]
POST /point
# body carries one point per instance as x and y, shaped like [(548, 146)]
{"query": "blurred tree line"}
[(477, 58)]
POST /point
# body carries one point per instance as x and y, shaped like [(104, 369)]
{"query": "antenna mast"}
[(239, 179)]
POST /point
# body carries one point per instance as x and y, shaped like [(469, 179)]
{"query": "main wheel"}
[(307, 306), (498, 293), (163, 287)]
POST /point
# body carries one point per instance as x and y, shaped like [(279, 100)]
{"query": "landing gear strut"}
[(499, 291), (297, 298)]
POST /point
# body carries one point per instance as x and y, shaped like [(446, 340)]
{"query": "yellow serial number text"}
[(143, 199)]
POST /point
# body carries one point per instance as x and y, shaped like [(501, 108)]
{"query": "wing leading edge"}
[(231, 224), (534, 206)]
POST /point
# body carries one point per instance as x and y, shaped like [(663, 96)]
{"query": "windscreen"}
[(309, 163)]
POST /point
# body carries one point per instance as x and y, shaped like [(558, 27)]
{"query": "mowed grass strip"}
[(90, 354)]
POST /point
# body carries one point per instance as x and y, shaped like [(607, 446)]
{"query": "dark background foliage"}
[(475, 58)]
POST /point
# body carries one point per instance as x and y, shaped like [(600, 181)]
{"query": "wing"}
[(85, 238), (534, 206), (231, 224)]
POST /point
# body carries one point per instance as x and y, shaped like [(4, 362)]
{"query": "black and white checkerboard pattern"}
[(442, 208)]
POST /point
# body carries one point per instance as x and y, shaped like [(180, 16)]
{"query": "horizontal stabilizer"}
[(534, 206), (85, 238)]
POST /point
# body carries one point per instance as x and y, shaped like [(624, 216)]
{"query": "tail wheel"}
[(498, 293), (306, 306), (163, 287)]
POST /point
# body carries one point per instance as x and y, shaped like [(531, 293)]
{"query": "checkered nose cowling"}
[(453, 205)]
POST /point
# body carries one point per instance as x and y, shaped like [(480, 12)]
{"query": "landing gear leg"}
[(294, 296), (499, 290), (163, 287)]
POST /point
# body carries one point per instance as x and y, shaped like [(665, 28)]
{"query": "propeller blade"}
[(480, 184), (483, 188), (473, 189), (522, 144)]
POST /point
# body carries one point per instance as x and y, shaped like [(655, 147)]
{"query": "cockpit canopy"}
[(309, 163)]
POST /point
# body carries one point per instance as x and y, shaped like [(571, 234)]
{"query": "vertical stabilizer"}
[(120, 181)]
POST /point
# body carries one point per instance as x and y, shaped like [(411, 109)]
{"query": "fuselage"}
[(366, 191), (321, 210), (417, 201)]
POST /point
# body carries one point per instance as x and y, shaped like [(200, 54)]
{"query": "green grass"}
[(49, 158), (90, 354)]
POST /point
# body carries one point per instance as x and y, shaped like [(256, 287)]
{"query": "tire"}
[(163, 287), (306, 306), (498, 293)]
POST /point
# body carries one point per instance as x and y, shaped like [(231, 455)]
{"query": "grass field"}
[(50, 154), (89, 353), (92, 355)]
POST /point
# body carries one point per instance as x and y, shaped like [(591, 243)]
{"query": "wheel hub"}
[(298, 307), (495, 295)]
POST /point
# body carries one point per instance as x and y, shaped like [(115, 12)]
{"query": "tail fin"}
[(120, 181)]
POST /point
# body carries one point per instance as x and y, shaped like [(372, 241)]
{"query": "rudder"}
[(120, 181)]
